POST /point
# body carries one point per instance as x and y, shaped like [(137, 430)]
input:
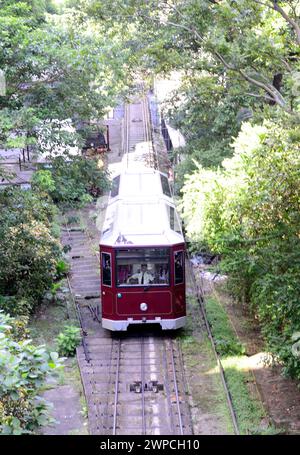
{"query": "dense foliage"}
[(29, 249), (207, 117), (236, 60), (57, 66), (250, 214), (72, 183), (24, 369), (68, 340)]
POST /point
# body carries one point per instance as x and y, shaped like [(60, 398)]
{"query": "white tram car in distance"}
[(142, 254)]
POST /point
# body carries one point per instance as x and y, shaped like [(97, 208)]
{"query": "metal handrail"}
[(78, 314)]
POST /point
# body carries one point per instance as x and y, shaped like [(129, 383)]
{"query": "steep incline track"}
[(134, 382), (137, 134)]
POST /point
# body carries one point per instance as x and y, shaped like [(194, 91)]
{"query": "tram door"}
[(179, 281), (106, 284)]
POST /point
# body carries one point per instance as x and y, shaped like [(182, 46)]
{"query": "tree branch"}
[(256, 95), (269, 88), (291, 21), (287, 65), (24, 86), (274, 5), (274, 95)]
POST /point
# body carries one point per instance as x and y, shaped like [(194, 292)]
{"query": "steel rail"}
[(200, 298), (148, 123), (117, 380), (94, 314), (176, 387), (184, 382), (143, 385), (168, 391), (127, 123), (147, 120), (147, 129), (106, 415), (150, 133)]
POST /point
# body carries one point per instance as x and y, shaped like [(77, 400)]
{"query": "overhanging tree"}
[(57, 66)]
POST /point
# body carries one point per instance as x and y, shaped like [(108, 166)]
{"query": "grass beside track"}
[(210, 413), (250, 413)]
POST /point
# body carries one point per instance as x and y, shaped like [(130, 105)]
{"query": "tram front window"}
[(142, 266)]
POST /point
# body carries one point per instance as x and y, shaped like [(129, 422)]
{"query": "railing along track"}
[(78, 313)]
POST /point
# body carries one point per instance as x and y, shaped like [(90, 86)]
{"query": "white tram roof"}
[(141, 211)]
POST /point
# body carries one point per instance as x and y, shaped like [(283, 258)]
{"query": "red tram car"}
[(142, 253)]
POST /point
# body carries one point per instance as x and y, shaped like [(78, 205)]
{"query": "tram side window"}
[(173, 219), (165, 185), (143, 266), (115, 186), (179, 267), (106, 269)]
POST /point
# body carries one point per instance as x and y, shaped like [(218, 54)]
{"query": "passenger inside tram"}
[(147, 266), (142, 277)]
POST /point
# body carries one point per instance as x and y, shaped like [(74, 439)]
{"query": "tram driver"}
[(142, 277)]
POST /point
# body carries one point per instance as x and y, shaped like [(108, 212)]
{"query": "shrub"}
[(55, 230), (77, 181), (249, 213), (30, 260), (68, 340), (73, 219), (62, 268), (43, 181), (16, 306), (24, 369), (73, 181), (29, 252)]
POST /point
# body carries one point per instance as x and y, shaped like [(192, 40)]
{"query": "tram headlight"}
[(143, 306)]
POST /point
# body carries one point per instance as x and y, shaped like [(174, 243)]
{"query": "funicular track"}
[(145, 390), (138, 134), (134, 382)]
